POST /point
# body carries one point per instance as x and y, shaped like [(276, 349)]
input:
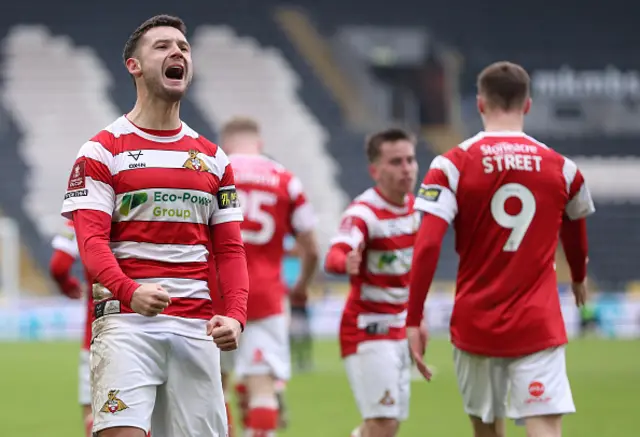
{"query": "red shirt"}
[(274, 205), (506, 194)]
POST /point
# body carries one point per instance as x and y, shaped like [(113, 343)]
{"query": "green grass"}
[(38, 389)]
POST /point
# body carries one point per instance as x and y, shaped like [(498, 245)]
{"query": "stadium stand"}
[(283, 71), (260, 83)]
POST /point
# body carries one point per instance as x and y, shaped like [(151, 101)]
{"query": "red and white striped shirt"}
[(377, 303), (163, 191)]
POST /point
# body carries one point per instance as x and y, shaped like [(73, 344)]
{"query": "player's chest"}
[(397, 227), (165, 185), (390, 245)]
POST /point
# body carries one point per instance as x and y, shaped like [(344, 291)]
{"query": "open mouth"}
[(175, 72)]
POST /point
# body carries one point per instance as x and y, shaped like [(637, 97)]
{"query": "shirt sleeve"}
[(436, 195), (227, 206), (90, 184), (580, 204), (303, 217), (355, 226)]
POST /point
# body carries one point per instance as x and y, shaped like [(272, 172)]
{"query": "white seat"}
[(58, 94), (236, 76)]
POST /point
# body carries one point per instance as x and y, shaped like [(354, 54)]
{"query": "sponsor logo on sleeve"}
[(430, 194), (227, 198), (77, 181)]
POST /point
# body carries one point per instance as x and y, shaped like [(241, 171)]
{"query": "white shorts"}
[(380, 377), (227, 361), (516, 388), (84, 386), (264, 349), (163, 381)]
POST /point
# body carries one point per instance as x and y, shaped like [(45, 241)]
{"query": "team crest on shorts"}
[(195, 163), (386, 399), (113, 404)]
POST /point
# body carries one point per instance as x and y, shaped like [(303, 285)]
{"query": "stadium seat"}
[(258, 82), (55, 110)]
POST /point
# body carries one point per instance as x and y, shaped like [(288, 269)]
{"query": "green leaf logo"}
[(386, 259), (131, 202)]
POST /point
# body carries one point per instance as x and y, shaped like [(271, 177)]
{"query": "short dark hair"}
[(240, 125), (158, 21), (504, 85), (373, 144)]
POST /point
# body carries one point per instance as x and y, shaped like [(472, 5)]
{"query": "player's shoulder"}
[(206, 146), (369, 206), (105, 138)]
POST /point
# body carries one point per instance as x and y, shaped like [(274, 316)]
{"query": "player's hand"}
[(298, 296), (150, 300), (72, 289), (225, 332), (354, 259), (417, 346), (579, 292)]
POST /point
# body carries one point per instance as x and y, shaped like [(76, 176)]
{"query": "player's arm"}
[(303, 222), (437, 201), (89, 202), (350, 241), (65, 252), (573, 232), (60, 270), (228, 249)]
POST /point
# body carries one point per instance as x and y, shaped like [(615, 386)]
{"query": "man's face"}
[(396, 169), (165, 62)]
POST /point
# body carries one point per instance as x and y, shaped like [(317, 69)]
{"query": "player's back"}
[(269, 196), (511, 193)]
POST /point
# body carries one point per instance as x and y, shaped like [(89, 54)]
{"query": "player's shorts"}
[(228, 361), (160, 381), (264, 348), (516, 388), (84, 386), (380, 377)]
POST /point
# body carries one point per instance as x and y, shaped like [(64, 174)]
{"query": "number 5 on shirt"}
[(253, 205)]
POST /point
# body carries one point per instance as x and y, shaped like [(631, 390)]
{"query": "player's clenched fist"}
[(225, 332), (150, 300), (354, 259)]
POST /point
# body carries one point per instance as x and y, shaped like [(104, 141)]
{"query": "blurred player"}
[(274, 205), (509, 197), (374, 247), (149, 197), (300, 337), (65, 252)]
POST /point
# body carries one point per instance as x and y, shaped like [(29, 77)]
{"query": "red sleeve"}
[(231, 265), (425, 260), (92, 231), (336, 259), (60, 270), (573, 235)]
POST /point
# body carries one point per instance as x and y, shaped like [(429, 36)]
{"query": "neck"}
[(504, 122), (154, 113), (394, 197), (242, 150)]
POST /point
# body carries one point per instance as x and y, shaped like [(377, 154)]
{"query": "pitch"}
[(38, 388)]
